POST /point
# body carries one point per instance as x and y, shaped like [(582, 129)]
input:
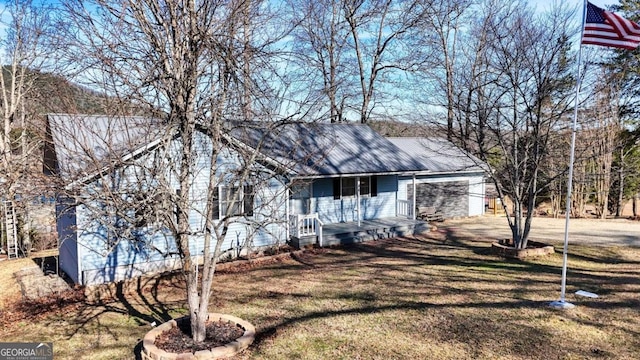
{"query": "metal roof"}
[(324, 149), (437, 154), (79, 145)]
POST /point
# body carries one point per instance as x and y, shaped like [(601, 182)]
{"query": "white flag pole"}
[(562, 304)]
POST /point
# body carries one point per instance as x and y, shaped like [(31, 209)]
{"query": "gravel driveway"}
[(581, 231)]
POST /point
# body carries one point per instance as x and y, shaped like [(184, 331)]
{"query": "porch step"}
[(357, 235), (304, 241)]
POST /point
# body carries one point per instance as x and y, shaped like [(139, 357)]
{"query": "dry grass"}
[(434, 297), (9, 289)]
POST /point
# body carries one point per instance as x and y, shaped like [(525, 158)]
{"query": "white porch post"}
[(287, 194), (413, 202), (358, 199)]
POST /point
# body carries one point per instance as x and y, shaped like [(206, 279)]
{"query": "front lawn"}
[(437, 296)]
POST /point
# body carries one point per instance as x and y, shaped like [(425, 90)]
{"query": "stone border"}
[(151, 352), (533, 249)]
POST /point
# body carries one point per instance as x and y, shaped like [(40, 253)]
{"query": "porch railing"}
[(405, 208), (306, 225)]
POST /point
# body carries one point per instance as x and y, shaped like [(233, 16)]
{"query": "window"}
[(365, 186), (346, 187), (230, 203), (233, 201)]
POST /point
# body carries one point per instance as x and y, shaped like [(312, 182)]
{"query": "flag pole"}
[(562, 304)]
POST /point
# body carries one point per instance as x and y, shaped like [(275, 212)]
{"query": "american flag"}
[(605, 28)]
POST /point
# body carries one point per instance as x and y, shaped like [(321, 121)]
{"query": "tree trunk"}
[(619, 204)]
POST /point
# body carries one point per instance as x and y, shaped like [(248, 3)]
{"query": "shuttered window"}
[(346, 187)]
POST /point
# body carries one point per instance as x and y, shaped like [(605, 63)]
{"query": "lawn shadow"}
[(139, 299), (137, 351), (376, 264)]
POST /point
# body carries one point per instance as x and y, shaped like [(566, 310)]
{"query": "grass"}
[(440, 296)]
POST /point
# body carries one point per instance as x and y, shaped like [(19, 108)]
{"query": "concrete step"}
[(357, 236)]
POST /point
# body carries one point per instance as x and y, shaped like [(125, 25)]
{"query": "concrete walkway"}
[(613, 232)]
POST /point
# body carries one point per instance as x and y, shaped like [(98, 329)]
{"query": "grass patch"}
[(434, 297)]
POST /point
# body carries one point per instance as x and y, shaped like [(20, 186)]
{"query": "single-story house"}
[(454, 184), (307, 183)]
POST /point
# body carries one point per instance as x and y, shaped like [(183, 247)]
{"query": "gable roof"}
[(79, 145), (438, 155), (327, 150), (82, 145)]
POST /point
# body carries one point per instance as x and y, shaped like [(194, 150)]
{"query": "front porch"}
[(350, 232)]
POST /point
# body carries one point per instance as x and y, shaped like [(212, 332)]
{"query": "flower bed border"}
[(534, 249), (151, 352)]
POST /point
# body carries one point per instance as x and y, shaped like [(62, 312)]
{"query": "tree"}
[(321, 41), (441, 26), (196, 65), (517, 100), (23, 55), (375, 28), (622, 70)]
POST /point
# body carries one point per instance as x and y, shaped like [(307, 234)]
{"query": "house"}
[(306, 183), (454, 183)]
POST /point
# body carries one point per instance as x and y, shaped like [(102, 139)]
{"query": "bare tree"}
[(320, 42), (442, 26), (197, 65), (517, 100), (376, 28), (605, 140), (23, 56)]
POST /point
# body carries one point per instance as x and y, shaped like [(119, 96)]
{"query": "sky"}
[(541, 4)]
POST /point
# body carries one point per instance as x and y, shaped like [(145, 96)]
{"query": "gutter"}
[(399, 173)]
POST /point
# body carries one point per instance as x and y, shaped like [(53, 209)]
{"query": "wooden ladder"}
[(11, 230)]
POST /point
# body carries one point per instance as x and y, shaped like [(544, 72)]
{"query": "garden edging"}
[(533, 249), (151, 352)]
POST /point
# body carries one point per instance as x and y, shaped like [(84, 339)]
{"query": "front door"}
[(300, 199)]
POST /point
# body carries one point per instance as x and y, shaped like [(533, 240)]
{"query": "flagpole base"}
[(561, 304)]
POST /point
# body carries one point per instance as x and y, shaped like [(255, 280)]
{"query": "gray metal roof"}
[(81, 144), (323, 149), (437, 154)]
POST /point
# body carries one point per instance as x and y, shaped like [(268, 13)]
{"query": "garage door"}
[(449, 198)]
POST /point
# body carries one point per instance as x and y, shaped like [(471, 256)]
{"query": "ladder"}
[(11, 229)]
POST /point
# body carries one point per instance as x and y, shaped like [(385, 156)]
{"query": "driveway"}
[(612, 232)]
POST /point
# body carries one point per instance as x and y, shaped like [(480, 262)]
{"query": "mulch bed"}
[(178, 340)]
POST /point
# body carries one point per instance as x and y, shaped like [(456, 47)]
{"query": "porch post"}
[(358, 198), (287, 194), (413, 206)]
